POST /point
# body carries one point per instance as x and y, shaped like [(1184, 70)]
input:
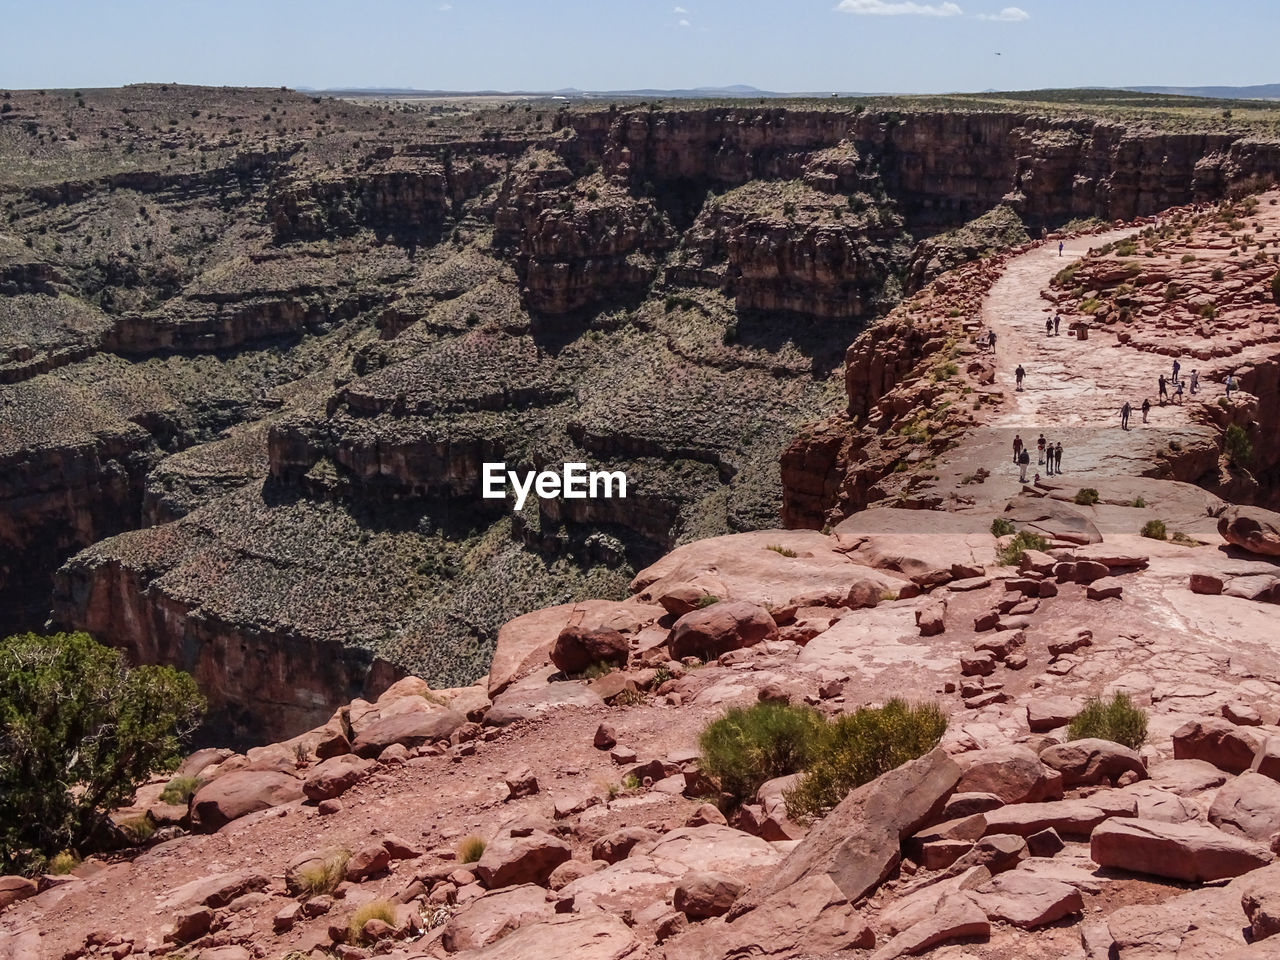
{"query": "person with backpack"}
[(1164, 389), (1176, 368), (1146, 408), (1017, 446), (1057, 457), (1018, 375), (1040, 449), (1024, 461), (1048, 459), (1124, 415)]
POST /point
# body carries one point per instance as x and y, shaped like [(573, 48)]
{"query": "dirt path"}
[(1073, 389)]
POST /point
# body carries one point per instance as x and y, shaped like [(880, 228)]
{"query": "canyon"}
[(255, 348)]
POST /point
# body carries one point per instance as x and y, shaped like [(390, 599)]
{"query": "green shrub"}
[(1086, 496), (1154, 530), (1117, 720), (1001, 527), (1239, 449), (373, 910), (1217, 273), (707, 600), (1275, 287), (138, 829), (782, 550), (179, 790), (81, 731), (749, 745), (62, 863), (1139, 503), (1011, 555), (470, 849), (858, 747)]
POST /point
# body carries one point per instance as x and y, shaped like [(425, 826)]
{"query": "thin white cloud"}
[(679, 10), (684, 23), (1008, 15), (885, 8), (445, 7)]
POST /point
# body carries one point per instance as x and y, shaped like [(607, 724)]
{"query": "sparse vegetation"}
[(1237, 446), (1139, 503), (1154, 530), (62, 863), (1117, 720), (179, 790), (82, 730), (707, 600), (784, 551), (382, 910), (1086, 496), (749, 745), (470, 849), (1011, 554), (856, 748), (323, 878), (1001, 527), (1183, 539)]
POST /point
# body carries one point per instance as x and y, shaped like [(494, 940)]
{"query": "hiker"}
[(1177, 394), (1146, 408), (1057, 458), (1164, 390), (1176, 367), (991, 338), (1057, 322), (1048, 460), (1195, 380), (1124, 415), (1024, 461), (1040, 449), (1019, 374), (1231, 385), (1048, 326), (1017, 446), (1059, 248)]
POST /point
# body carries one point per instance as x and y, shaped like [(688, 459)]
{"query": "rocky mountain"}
[(255, 347)]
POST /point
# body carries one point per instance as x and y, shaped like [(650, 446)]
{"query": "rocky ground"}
[(1006, 841), (255, 346)]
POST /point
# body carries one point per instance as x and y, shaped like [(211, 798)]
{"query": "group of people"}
[(1191, 383), (1048, 453)]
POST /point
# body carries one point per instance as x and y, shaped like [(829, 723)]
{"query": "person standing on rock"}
[(1124, 415), (1176, 368), (1019, 374), (1057, 457), (1040, 449), (1057, 323), (1024, 461), (1048, 326), (1195, 380), (1048, 459), (1059, 248), (991, 337), (1231, 385), (1164, 390), (1146, 408), (1177, 393), (1017, 446)]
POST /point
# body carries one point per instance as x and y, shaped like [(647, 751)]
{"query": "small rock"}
[(703, 894), (606, 737)]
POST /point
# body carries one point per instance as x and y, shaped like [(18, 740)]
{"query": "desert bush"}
[(470, 849), (373, 910), (707, 600), (749, 745), (1001, 527), (324, 877), (1154, 530), (1086, 496), (1117, 720), (1011, 555), (856, 748), (179, 790), (784, 551), (1275, 287), (62, 863), (1238, 448), (81, 731), (138, 829)]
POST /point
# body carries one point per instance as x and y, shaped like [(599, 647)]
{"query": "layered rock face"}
[(316, 314)]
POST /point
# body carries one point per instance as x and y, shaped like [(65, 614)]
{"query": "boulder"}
[(423, 723), (215, 891), (240, 793), (1260, 899), (1092, 761), (703, 893), (1251, 528), (964, 804), (492, 916), (606, 737), (1049, 713), (1248, 806), (371, 860), (521, 783), (931, 618), (957, 917), (1027, 901), (1266, 759), (336, 776), (1108, 588), (508, 860), (1190, 852), (1187, 777), (593, 936), (190, 924), (719, 628), (858, 844), (811, 916), (527, 702), (1216, 740), (1071, 818), (577, 648), (1155, 803), (618, 845), (1013, 773), (1051, 519), (14, 888), (313, 862)]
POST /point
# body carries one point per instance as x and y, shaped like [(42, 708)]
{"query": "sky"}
[(898, 46)]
